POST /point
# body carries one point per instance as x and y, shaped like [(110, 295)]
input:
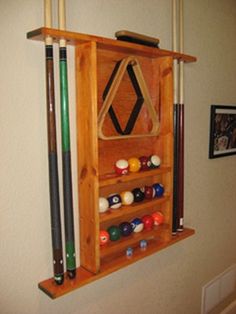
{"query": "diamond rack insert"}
[(132, 66)]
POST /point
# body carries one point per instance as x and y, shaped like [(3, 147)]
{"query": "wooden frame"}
[(222, 131), (94, 60)]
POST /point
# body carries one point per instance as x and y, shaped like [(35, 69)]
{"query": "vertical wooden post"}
[(87, 137)]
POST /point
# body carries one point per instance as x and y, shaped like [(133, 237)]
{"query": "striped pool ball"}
[(137, 225), (127, 197), (121, 167), (114, 201), (155, 161)]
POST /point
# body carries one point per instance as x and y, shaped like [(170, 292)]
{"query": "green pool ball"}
[(114, 233)]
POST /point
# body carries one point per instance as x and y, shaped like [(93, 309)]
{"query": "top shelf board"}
[(73, 38)]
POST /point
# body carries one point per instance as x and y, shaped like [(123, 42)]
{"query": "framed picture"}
[(222, 131)]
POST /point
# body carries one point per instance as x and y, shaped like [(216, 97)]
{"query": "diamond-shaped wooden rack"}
[(110, 93)]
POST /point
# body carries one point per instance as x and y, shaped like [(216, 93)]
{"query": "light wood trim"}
[(73, 38), (86, 88), (108, 266)]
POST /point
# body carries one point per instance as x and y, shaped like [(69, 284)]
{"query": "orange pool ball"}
[(134, 164)]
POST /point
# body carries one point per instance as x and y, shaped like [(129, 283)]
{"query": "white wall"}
[(168, 282)]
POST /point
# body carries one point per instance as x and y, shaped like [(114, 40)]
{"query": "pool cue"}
[(66, 154), (176, 119), (57, 250), (181, 121)]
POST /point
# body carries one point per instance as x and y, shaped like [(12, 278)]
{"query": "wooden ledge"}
[(73, 38), (85, 277)]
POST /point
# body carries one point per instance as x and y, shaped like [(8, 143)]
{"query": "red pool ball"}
[(122, 166), (148, 222), (144, 161), (158, 218), (103, 237), (149, 192)]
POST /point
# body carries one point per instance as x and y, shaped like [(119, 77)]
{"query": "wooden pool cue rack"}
[(95, 58)]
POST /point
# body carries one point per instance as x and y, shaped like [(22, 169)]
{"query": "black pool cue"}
[(57, 250), (181, 123), (66, 153), (175, 218)]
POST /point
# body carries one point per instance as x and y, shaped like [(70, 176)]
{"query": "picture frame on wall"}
[(222, 131)]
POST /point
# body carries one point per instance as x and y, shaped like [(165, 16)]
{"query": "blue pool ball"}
[(114, 201), (138, 195), (159, 189), (125, 228), (137, 225)]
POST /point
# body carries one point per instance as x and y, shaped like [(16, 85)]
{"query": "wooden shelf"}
[(75, 39), (132, 209), (109, 266), (112, 178), (113, 248)]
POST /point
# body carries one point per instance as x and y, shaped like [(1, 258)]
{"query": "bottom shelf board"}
[(108, 266)]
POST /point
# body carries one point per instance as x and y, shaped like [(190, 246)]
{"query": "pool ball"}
[(159, 189), (114, 233), (138, 195), (103, 205), (155, 161), (127, 198), (134, 164), (145, 163), (114, 201), (137, 225), (158, 218), (149, 192), (125, 228), (121, 167), (103, 237), (148, 222)]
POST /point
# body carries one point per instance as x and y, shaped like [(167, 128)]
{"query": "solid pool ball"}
[(138, 195), (114, 201), (122, 166), (158, 218), (125, 228), (134, 164), (149, 192), (145, 163), (137, 225), (114, 233), (103, 237), (148, 222), (103, 205), (159, 189), (127, 197), (155, 161)]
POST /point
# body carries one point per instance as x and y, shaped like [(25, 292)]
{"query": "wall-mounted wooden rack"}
[(95, 58)]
